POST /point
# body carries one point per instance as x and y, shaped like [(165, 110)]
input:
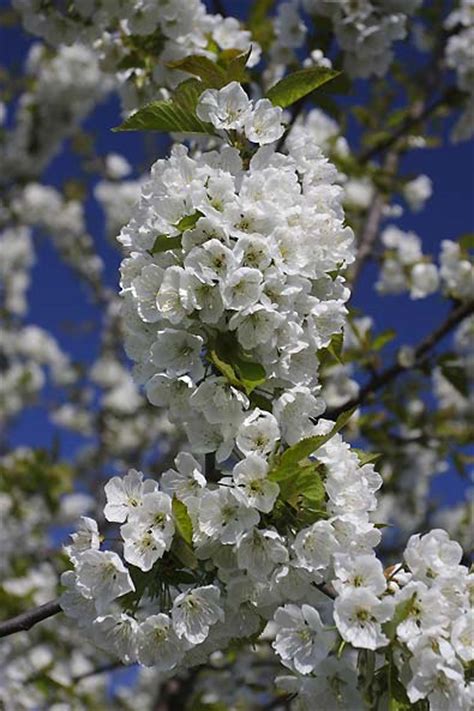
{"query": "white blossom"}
[(424, 280), (260, 551), (258, 433), (301, 639), (462, 636), (359, 615), (86, 537), (432, 555), (157, 643), (101, 575), (117, 633), (225, 108), (362, 571), (194, 612), (264, 123), (125, 494), (185, 483), (222, 515), (250, 476)]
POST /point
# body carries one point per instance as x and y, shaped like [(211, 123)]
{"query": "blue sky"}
[(57, 299)]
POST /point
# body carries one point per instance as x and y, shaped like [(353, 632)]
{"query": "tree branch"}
[(368, 237), (420, 110), (372, 225), (380, 380), (28, 619), (410, 122), (113, 666), (296, 111)]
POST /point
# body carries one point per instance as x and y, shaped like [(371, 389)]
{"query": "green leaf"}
[(177, 114), (373, 140), (210, 73), (251, 374), (382, 339), (397, 705), (457, 376), (466, 242), (261, 401), (234, 62), (182, 520), (227, 356), (366, 457), (297, 85), (229, 66), (224, 367), (184, 553), (333, 352), (462, 461), (291, 457), (402, 611), (398, 116), (183, 576), (259, 9), (336, 345), (387, 678), (188, 221), (310, 485), (306, 482), (163, 243), (141, 581), (260, 23)]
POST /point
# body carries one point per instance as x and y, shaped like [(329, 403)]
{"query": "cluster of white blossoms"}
[(426, 604), (247, 574), (459, 56), (249, 273), (117, 199), (248, 568), (44, 207), (64, 87), (417, 191), (25, 354), (436, 634), (17, 261), (366, 30), (116, 33), (460, 404), (456, 270), (406, 268)]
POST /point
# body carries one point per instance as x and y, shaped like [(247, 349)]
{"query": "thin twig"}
[(371, 227), (99, 670), (28, 619), (296, 112), (279, 701), (380, 380), (327, 590), (420, 110), (410, 122), (368, 237)]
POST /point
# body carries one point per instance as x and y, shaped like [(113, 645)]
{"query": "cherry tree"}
[(247, 521)]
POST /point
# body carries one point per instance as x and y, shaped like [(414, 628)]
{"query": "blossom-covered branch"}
[(228, 540)]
